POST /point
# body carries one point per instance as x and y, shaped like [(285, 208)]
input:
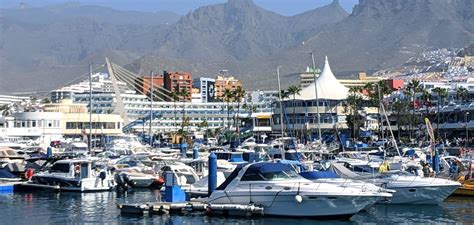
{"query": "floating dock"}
[(6, 188), (159, 208), (28, 186)]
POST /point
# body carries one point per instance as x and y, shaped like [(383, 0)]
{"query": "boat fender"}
[(208, 210), (29, 173), (298, 198), (102, 174), (160, 181)]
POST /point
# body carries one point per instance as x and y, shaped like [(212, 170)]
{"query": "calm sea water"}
[(100, 208)]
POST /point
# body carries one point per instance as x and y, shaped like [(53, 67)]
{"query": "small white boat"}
[(184, 175), (137, 179), (72, 175), (282, 192), (410, 189)]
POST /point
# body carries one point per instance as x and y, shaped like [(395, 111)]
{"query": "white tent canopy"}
[(328, 87)]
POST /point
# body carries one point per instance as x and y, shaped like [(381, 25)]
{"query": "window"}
[(60, 168), (252, 177), (109, 125), (71, 125)]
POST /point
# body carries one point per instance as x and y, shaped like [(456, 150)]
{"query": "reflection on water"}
[(40, 208)]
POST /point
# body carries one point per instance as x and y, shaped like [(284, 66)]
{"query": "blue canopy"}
[(314, 175)]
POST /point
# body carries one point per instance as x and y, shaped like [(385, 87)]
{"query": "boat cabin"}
[(261, 171), (182, 174), (73, 168)]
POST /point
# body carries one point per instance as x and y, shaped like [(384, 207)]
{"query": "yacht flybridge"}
[(282, 192)]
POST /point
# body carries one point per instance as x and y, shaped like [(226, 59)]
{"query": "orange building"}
[(158, 81), (396, 84), (177, 81), (223, 83)]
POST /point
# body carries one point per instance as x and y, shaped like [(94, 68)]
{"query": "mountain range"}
[(43, 48)]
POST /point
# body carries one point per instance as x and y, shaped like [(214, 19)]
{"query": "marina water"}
[(101, 208)]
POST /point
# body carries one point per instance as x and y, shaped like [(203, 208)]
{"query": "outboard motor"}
[(122, 185)]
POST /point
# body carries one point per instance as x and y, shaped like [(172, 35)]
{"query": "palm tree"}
[(376, 91), (372, 94), (412, 88), (284, 95), (462, 94), (401, 108), (239, 93), (228, 96), (175, 97), (205, 125), (354, 120), (426, 98), (294, 90), (184, 94), (441, 93)]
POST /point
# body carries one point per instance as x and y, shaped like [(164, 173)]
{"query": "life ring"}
[(77, 169)]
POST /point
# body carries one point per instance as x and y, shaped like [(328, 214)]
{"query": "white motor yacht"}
[(12, 161), (248, 143), (282, 192), (183, 175), (72, 175), (138, 179), (410, 189)]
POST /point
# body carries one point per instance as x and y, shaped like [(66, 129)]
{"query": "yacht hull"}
[(421, 194), (76, 185), (466, 189), (285, 204)]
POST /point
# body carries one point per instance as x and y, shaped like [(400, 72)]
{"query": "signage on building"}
[(211, 91)]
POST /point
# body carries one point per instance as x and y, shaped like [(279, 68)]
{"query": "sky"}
[(284, 7)]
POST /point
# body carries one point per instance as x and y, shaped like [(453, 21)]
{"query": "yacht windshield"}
[(281, 175), (267, 172), (60, 168)]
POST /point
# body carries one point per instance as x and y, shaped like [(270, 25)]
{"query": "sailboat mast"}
[(380, 115), (90, 108), (151, 109), (316, 94), (281, 114)]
